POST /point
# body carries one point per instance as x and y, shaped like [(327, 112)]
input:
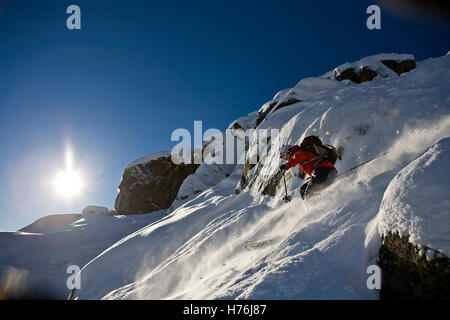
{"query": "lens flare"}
[(392, 113)]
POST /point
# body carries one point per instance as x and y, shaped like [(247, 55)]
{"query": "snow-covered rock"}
[(245, 123), (355, 117), (95, 210), (369, 68), (382, 65), (148, 158), (417, 202)]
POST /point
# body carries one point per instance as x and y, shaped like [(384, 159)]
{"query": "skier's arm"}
[(297, 158)]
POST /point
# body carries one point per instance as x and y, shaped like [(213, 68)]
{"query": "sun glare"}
[(68, 183)]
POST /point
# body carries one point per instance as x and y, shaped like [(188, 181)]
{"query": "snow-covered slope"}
[(51, 223), (318, 249), (34, 261)]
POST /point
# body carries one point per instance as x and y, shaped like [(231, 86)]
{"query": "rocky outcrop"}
[(401, 66), (245, 179), (272, 185), (367, 69), (412, 273), (415, 243), (362, 75), (151, 184), (308, 90)]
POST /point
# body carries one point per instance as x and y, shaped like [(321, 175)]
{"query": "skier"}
[(314, 159)]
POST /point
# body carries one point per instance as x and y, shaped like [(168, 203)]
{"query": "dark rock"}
[(400, 67), (244, 178), (408, 275), (286, 103), (277, 105), (271, 187), (236, 126), (368, 73), (263, 114), (151, 186), (364, 74)]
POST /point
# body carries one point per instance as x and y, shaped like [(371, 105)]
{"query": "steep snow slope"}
[(320, 249), (206, 176)]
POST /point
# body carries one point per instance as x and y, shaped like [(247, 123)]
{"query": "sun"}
[(68, 184)]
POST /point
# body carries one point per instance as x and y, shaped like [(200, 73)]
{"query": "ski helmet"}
[(285, 150)]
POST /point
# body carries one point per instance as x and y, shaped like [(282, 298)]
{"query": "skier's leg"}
[(322, 178), (303, 189)]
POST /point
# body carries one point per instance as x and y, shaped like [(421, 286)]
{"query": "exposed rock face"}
[(152, 185), (363, 75), (272, 185), (400, 67), (408, 274), (245, 179)]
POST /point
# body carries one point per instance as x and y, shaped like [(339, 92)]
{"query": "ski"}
[(258, 244)]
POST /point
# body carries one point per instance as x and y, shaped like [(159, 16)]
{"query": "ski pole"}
[(286, 198), (361, 164)]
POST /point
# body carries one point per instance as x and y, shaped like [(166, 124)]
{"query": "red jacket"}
[(301, 155)]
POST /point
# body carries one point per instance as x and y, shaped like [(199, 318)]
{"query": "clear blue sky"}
[(115, 90)]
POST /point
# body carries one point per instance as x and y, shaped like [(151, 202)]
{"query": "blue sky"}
[(137, 70)]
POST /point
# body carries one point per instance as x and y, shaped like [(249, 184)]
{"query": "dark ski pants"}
[(321, 178)]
